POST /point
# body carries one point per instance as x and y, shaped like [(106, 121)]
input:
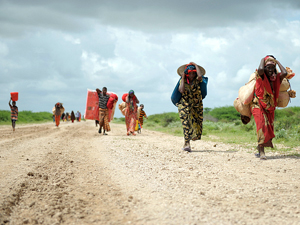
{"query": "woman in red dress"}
[(265, 101), (131, 112)]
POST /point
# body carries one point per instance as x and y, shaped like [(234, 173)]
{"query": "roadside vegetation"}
[(25, 117), (223, 124)]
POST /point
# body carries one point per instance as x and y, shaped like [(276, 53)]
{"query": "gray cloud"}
[(19, 17), (54, 50)]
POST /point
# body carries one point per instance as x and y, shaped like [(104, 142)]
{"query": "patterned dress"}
[(263, 109), (131, 115), (190, 109)]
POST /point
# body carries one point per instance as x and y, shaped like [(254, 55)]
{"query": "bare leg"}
[(187, 146), (261, 151), (13, 125)]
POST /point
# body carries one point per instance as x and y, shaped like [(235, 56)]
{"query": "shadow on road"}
[(284, 157), (230, 151)]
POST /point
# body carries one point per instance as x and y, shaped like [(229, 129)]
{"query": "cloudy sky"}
[(54, 50)]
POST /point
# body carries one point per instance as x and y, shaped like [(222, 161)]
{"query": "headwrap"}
[(131, 104), (270, 60), (189, 68)]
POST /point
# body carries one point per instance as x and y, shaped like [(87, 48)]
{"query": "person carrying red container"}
[(13, 113)]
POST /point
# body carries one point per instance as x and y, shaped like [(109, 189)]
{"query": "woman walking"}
[(59, 109), (72, 116), (131, 112), (190, 107), (265, 101)]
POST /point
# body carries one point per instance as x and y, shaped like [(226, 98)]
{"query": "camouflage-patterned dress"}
[(190, 109)]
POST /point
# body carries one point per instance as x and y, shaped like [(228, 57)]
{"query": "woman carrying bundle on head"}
[(131, 112), (190, 107), (265, 101)]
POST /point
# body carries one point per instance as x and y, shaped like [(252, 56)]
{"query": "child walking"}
[(13, 113), (142, 114)]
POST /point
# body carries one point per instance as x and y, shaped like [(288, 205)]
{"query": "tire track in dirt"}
[(63, 187)]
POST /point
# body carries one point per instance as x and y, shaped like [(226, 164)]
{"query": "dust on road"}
[(73, 175)]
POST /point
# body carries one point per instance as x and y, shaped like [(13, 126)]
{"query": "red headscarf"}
[(188, 69)]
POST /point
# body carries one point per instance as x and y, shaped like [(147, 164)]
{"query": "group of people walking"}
[(131, 112), (190, 106), (59, 114), (263, 105)]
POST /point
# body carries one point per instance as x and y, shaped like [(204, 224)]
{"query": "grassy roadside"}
[(25, 117), (224, 125)]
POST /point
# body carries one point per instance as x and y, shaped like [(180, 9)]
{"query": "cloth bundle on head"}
[(131, 92)]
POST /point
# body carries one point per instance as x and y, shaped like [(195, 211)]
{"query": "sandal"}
[(188, 149)]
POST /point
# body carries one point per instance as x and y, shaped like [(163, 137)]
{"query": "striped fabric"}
[(14, 112), (142, 114), (103, 101)]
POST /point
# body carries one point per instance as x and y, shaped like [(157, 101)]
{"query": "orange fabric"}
[(57, 120)]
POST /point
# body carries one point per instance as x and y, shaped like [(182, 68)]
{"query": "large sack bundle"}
[(241, 108), (246, 92), (292, 93), (111, 100), (111, 112), (290, 73), (62, 109), (122, 107), (285, 85), (124, 96), (283, 99), (284, 95)]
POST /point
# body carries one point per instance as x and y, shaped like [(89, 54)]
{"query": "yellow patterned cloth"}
[(190, 109), (103, 119)]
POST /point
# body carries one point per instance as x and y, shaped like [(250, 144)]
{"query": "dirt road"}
[(73, 175)]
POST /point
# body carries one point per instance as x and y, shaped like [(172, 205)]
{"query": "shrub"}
[(226, 113)]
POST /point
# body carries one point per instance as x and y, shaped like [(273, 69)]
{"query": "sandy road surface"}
[(73, 175)]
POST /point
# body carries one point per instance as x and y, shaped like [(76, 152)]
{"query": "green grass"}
[(223, 124), (25, 117)]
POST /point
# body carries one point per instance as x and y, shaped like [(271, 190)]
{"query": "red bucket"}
[(14, 96)]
